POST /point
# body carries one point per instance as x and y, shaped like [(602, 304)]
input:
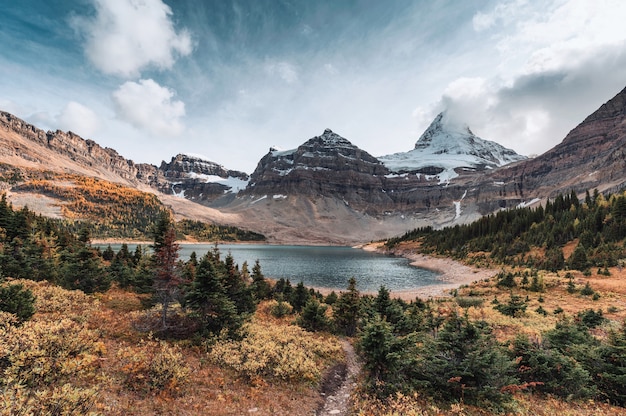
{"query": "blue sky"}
[(229, 79)]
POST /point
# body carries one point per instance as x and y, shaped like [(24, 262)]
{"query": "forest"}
[(145, 328)]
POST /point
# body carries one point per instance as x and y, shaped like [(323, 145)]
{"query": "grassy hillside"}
[(112, 210)]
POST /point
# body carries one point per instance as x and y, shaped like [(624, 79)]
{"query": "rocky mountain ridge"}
[(327, 190)]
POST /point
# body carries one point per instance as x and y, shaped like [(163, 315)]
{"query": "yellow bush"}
[(153, 367), (284, 352), (39, 353), (40, 359), (53, 300), (64, 400)]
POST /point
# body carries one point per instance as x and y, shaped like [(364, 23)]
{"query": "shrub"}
[(63, 400), (44, 363), (153, 366), (506, 280), (468, 302), (515, 307), (276, 351), (587, 290), (551, 370), (279, 308), (39, 353), (591, 318), (464, 363)]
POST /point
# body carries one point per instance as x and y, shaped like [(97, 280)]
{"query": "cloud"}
[(126, 36), (285, 71), (147, 105), (79, 119), (559, 61)]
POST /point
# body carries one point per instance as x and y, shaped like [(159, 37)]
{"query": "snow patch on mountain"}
[(234, 184), (446, 146)]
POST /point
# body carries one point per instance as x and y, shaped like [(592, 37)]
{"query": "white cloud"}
[(126, 36), (559, 60), (285, 71), (147, 105), (79, 119)]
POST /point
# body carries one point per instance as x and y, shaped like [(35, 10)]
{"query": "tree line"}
[(598, 223)]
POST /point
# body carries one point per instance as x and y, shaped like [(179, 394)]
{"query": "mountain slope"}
[(592, 156), (327, 165), (446, 146)]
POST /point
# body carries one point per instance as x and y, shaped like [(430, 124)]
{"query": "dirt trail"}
[(340, 383)]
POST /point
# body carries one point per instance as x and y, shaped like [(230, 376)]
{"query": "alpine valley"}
[(328, 191)]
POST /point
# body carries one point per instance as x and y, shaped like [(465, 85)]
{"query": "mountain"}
[(198, 179), (327, 165), (592, 156), (329, 191), (446, 146)]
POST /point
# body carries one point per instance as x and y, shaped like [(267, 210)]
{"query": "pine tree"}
[(18, 301), (167, 278), (260, 287), (209, 303), (299, 297), (313, 317), (236, 288), (347, 311)]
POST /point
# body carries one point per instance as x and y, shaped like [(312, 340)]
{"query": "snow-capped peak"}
[(443, 127), (447, 145)]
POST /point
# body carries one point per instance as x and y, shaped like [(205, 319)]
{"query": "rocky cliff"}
[(40, 147), (200, 180), (592, 155), (327, 165)]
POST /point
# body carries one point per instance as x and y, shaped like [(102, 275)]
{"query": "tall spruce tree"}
[(209, 303)]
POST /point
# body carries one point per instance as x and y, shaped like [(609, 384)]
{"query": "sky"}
[(230, 79)]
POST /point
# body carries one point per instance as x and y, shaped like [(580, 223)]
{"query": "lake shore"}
[(453, 274)]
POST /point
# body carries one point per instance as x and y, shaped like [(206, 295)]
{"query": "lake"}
[(325, 267)]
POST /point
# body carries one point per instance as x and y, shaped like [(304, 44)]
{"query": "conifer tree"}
[(167, 277), (209, 303), (347, 310), (313, 317), (260, 287), (299, 297)]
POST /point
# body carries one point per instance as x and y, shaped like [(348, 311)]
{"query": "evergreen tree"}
[(609, 367), (299, 297), (313, 317), (260, 287), (167, 278), (18, 301), (236, 287), (464, 362), (209, 303), (82, 269), (578, 260), (346, 311)]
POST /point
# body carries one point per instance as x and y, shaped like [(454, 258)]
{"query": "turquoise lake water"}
[(324, 267)]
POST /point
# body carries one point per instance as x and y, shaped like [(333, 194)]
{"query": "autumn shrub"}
[(52, 301), (153, 366), (37, 354), (279, 308), (282, 352), (44, 365), (63, 400)]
